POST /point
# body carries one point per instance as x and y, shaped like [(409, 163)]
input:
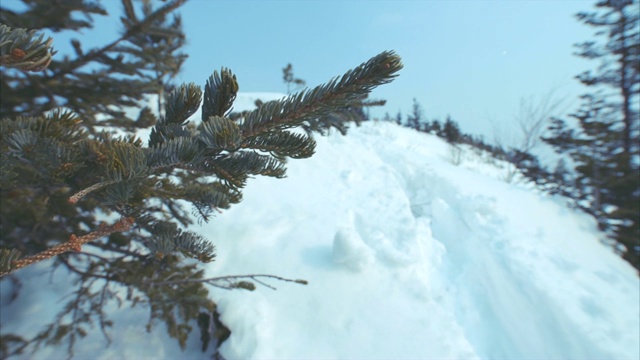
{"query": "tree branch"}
[(73, 244)]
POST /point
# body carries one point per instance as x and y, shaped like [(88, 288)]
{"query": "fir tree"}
[(435, 128), (290, 80), (59, 173), (604, 145), (451, 131), (415, 119), (558, 181)]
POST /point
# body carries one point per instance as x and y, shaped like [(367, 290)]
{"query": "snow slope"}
[(412, 249), (409, 256)]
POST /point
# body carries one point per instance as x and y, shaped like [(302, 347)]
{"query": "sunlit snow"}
[(412, 249)]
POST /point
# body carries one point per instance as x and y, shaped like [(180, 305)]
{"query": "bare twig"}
[(233, 281)]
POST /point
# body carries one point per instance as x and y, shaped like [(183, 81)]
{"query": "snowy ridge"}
[(409, 256), (410, 252)]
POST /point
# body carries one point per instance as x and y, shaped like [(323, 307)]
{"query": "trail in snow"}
[(490, 290)]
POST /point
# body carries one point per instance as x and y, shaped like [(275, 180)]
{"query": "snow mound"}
[(350, 250)]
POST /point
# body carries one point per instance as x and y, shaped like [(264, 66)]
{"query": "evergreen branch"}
[(168, 238), (219, 94), (308, 105), (230, 282), (208, 197), (19, 48), (73, 244), (127, 161), (337, 119), (195, 246), (119, 192), (166, 132), (283, 144), (182, 102), (60, 125), (236, 167), (7, 258), (181, 150), (220, 133), (132, 30), (7, 173)]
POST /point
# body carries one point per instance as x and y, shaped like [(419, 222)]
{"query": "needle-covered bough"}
[(206, 165)]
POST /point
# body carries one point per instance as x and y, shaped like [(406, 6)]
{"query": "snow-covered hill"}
[(412, 249), (410, 256)]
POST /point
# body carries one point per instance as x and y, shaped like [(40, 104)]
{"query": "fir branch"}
[(165, 132), (339, 92), (181, 150), (209, 197), (19, 48), (219, 94), (168, 238), (73, 244), (7, 258), (236, 167), (60, 125), (132, 29), (127, 161), (283, 144), (220, 133), (182, 103)]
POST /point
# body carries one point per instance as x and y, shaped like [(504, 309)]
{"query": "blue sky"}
[(472, 59)]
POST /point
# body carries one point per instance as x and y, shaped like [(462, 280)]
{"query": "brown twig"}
[(73, 244), (82, 193)]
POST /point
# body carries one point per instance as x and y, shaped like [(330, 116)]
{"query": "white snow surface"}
[(412, 250)]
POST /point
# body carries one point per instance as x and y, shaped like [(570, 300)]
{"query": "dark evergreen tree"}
[(559, 180), (435, 128), (292, 82), (415, 119), (603, 139), (399, 118), (59, 172), (451, 131), (529, 165)]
